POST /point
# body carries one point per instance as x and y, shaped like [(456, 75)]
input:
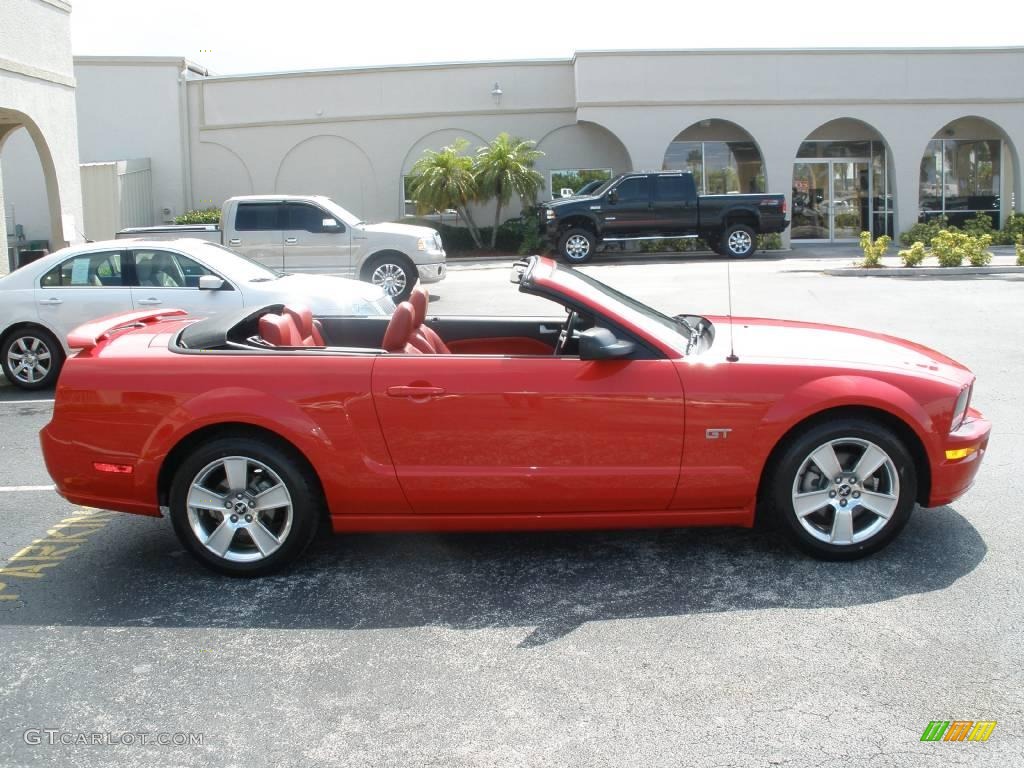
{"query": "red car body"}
[(498, 441)]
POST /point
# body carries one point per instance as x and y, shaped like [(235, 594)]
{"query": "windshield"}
[(236, 266), (339, 213)]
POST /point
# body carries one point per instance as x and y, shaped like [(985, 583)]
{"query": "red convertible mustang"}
[(249, 430)]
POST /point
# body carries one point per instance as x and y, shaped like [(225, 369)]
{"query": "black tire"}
[(796, 472), (37, 342), (292, 472), (394, 273), (738, 241), (577, 245)]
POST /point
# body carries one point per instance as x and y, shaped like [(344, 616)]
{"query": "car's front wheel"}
[(392, 272), (577, 245), (244, 507), (31, 358), (844, 489)]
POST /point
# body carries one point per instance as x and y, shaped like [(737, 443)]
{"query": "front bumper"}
[(951, 477), (432, 273)]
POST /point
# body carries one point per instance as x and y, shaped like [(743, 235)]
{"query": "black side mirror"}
[(613, 196), (601, 344)]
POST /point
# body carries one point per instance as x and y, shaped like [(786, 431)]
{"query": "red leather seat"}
[(425, 338), (279, 331), (307, 327), (400, 331)]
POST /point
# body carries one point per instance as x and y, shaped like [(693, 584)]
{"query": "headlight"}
[(960, 409), (550, 214)]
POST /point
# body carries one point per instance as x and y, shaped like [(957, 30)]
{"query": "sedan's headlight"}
[(960, 409)]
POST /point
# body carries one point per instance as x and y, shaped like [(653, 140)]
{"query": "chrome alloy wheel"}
[(739, 242), (846, 491), (390, 277), (239, 509), (29, 359), (577, 247)]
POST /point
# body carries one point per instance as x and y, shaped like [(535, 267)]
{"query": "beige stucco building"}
[(37, 102), (858, 139)]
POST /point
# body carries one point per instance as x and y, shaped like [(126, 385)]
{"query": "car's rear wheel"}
[(577, 245), (393, 273), (244, 507), (738, 241), (31, 358), (844, 489)]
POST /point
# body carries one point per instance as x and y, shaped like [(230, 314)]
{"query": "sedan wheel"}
[(32, 358), (242, 507), (845, 492)]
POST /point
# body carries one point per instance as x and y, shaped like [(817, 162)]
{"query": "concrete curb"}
[(923, 271)]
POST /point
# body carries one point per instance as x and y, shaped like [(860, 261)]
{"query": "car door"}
[(256, 232), (489, 435), (627, 208), (81, 288), (167, 279), (675, 203), (315, 241)]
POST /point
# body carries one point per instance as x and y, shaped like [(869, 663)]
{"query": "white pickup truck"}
[(297, 233)]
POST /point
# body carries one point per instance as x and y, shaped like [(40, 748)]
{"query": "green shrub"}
[(874, 250), (981, 224), (924, 231), (1013, 229), (204, 216), (914, 255)]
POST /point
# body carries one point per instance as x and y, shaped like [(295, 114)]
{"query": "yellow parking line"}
[(50, 551)]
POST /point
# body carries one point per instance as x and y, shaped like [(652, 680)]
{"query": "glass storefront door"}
[(831, 199)]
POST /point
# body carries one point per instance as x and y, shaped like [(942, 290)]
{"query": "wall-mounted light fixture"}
[(496, 93)]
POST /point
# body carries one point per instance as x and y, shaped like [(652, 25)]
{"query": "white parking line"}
[(21, 488)]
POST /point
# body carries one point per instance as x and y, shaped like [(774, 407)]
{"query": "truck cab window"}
[(258, 217), (633, 190)]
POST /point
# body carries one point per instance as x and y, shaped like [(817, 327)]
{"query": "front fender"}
[(829, 392)]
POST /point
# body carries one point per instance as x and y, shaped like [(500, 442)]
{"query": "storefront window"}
[(718, 167), (575, 179), (959, 179)]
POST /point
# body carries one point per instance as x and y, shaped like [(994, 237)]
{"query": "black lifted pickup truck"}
[(659, 206)]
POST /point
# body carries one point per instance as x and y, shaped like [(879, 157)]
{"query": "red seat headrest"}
[(400, 328), (303, 317), (419, 298), (279, 331)]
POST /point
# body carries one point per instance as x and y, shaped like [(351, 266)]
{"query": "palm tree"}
[(443, 180), (505, 166)]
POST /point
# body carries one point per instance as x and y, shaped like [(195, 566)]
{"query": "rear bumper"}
[(951, 477)]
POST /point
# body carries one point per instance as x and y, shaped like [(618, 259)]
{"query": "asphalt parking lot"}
[(653, 648)]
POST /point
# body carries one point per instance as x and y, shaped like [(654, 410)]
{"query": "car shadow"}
[(136, 574)]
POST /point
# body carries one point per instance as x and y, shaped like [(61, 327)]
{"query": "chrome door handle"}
[(51, 301), (415, 391), (291, 240), (234, 241), (149, 301)]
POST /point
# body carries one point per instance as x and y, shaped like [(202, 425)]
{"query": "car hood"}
[(324, 294), (404, 230), (762, 338)]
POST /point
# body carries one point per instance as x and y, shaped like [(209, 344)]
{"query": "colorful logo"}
[(958, 730)]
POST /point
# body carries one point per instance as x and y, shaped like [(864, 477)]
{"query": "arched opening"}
[(30, 198), (722, 156), (967, 169), (842, 183)]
